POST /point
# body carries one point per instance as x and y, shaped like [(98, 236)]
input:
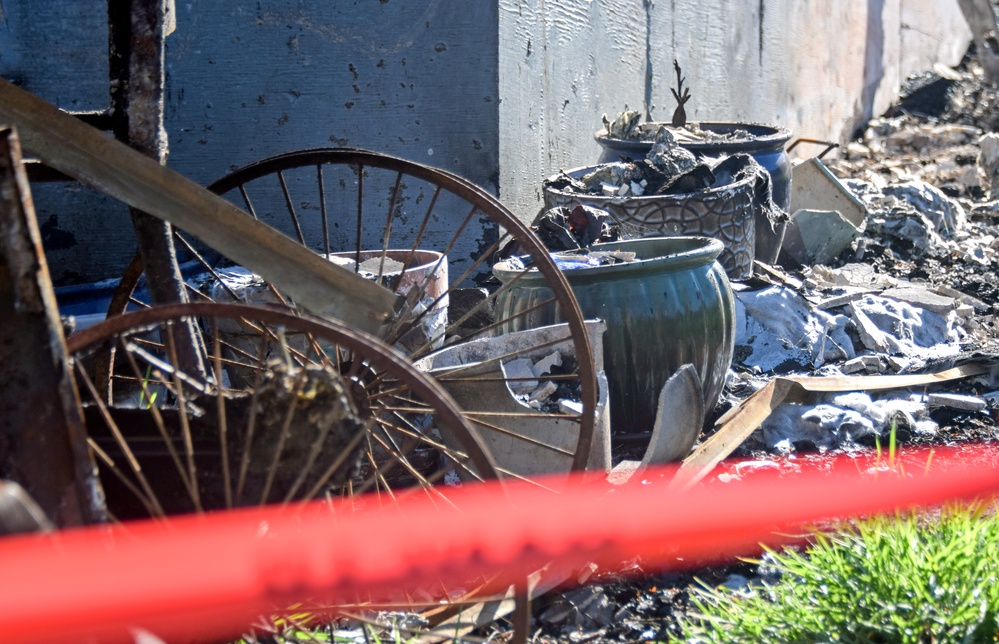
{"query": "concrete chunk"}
[(853, 366), (544, 392), (979, 305), (520, 373), (545, 365), (956, 401), (818, 236), (922, 298), (570, 407), (873, 338)]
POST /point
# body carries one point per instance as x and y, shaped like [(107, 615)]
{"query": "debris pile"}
[(910, 289), (669, 168), (891, 316), (531, 382), (625, 127), (845, 421), (914, 289), (850, 320), (562, 228), (729, 199), (575, 259)]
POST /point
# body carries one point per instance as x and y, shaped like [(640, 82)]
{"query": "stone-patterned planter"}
[(764, 142), (725, 213)]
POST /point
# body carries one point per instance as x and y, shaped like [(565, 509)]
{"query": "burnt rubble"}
[(668, 169), (575, 228), (917, 289), (913, 292)]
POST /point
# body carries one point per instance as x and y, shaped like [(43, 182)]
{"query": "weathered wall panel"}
[(413, 78), (503, 93), (820, 67), (561, 66), (57, 50)]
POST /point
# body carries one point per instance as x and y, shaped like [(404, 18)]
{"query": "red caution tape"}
[(209, 577)]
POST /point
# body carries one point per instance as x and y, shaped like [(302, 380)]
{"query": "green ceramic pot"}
[(671, 307)]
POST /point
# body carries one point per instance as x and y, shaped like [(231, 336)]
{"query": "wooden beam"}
[(93, 158)]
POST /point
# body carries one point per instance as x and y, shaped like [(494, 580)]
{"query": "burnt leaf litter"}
[(930, 135)]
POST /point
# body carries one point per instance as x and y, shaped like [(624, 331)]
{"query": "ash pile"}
[(910, 287)]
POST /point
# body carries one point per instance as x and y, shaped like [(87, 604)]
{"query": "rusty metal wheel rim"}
[(446, 182), (404, 383)]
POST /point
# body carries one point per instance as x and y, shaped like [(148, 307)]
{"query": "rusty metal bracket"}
[(830, 145)]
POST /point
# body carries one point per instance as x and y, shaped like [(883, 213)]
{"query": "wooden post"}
[(136, 34), (43, 444), (136, 38)]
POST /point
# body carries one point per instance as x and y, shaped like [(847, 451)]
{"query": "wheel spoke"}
[(322, 210), (246, 200), (222, 416), (154, 411), (185, 425), (133, 463), (389, 218), (251, 425), (477, 418), (282, 438), (291, 208), (360, 217), (337, 463), (103, 457)]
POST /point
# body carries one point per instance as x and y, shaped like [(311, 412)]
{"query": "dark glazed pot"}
[(673, 307), (766, 145)]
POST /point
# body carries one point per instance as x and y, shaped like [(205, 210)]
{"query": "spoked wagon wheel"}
[(287, 408), (431, 236)]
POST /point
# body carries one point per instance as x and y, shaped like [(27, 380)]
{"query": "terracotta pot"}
[(673, 306)]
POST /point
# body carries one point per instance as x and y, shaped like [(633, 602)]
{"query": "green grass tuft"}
[(901, 579)]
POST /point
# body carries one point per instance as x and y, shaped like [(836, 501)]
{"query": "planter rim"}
[(766, 137), (691, 252), (422, 258)]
